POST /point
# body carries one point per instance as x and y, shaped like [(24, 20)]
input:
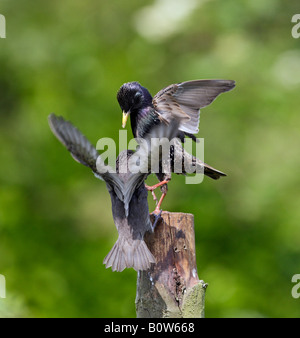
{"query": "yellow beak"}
[(124, 119)]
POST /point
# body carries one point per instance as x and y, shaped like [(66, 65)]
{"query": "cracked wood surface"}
[(171, 287)]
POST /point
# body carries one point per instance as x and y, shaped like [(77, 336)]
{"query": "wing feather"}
[(84, 152), (187, 98)]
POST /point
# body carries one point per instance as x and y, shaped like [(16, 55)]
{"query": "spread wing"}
[(187, 98), (84, 152)]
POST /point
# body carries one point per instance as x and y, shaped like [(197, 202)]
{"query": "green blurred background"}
[(70, 57)]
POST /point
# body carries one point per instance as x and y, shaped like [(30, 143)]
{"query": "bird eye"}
[(137, 97)]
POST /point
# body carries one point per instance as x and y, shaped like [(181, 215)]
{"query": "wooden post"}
[(171, 287)]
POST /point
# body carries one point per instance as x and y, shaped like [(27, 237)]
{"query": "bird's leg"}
[(152, 192), (157, 210), (159, 184), (153, 187)]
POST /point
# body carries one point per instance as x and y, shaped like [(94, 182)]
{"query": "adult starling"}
[(127, 191), (182, 100)]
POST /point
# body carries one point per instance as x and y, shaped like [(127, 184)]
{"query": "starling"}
[(130, 250), (127, 191), (183, 99), (177, 101)]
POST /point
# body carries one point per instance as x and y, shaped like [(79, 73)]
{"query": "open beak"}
[(124, 119)]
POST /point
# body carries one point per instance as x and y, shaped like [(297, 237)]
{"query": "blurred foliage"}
[(70, 57)]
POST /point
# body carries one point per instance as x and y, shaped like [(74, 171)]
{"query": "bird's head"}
[(132, 97)]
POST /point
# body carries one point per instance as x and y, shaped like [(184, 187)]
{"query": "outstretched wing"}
[(77, 144), (83, 151), (187, 98)]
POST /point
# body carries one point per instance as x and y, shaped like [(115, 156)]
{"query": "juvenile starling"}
[(127, 191), (130, 250), (183, 101)]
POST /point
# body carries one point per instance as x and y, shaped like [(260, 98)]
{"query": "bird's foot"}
[(157, 210), (157, 217)]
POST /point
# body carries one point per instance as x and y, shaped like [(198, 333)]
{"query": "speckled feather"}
[(180, 101)]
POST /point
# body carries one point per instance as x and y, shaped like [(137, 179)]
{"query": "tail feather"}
[(129, 255), (188, 163), (142, 258), (115, 259), (212, 172)]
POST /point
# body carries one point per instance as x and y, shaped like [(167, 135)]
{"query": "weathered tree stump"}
[(171, 287)]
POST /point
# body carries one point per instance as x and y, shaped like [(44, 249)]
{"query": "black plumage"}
[(177, 101), (180, 102)]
